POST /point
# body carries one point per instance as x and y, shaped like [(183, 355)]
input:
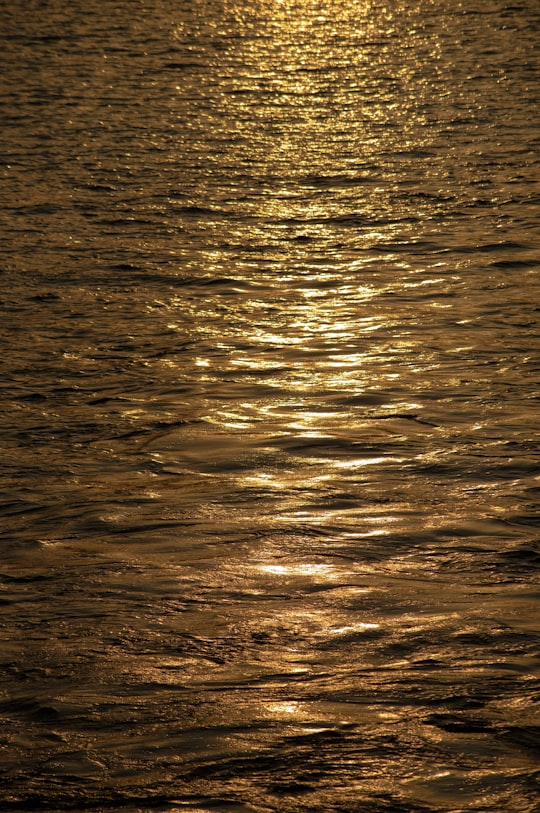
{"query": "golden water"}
[(270, 406)]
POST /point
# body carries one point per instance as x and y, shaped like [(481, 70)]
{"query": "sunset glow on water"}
[(270, 406)]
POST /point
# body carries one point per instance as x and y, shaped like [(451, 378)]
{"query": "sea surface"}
[(270, 378)]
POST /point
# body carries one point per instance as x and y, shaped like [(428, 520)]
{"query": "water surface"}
[(270, 406)]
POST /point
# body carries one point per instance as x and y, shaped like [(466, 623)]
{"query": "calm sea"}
[(270, 406)]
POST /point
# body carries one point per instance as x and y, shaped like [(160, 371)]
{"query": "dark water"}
[(270, 380)]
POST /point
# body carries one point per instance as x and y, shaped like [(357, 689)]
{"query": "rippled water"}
[(270, 406)]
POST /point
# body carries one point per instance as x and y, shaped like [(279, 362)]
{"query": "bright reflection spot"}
[(280, 482), (299, 570), (365, 461), (285, 708), (355, 628)]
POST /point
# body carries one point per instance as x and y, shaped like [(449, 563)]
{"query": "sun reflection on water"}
[(300, 569)]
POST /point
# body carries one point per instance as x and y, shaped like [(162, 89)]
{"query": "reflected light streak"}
[(359, 462), (287, 708), (300, 570), (286, 482), (360, 627)]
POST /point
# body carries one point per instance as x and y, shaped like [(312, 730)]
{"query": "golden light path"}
[(313, 375)]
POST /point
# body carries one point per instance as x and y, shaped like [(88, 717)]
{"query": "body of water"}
[(270, 382)]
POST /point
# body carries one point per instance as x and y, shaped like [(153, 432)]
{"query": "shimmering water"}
[(270, 381)]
